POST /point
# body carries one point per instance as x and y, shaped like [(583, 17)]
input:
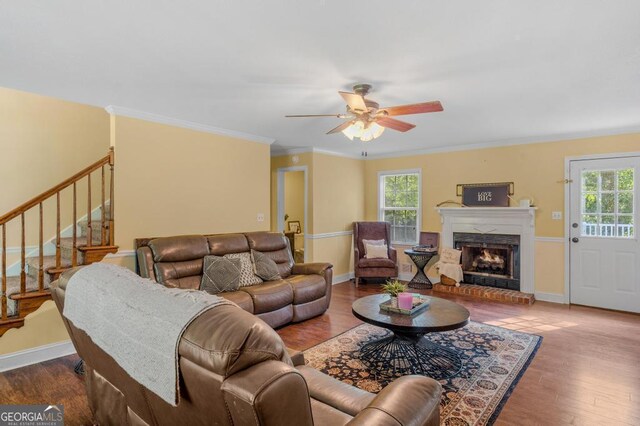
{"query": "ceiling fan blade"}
[(316, 115), (340, 127), (355, 102), (422, 108), (392, 123)]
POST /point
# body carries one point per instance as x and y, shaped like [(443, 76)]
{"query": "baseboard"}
[(342, 278), (549, 297), (34, 355)]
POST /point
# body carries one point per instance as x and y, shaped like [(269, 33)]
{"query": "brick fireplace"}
[(497, 244)]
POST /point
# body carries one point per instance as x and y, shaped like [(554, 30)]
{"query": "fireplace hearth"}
[(490, 259)]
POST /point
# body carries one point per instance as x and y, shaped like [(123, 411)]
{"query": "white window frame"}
[(385, 173)]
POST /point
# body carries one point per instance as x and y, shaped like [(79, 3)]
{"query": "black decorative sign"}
[(485, 194)]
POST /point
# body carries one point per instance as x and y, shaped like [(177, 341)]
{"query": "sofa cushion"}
[(307, 288), (220, 274), (376, 263), (179, 248), (247, 277), (240, 298), (270, 296), (227, 243), (275, 246), (264, 266), (185, 274)]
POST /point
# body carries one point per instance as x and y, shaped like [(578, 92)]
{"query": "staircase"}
[(90, 241)]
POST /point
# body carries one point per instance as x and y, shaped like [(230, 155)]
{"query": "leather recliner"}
[(235, 370), (373, 268)]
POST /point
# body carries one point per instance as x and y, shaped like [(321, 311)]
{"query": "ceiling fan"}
[(366, 120)]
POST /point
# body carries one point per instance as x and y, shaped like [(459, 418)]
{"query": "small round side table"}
[(420, 259)]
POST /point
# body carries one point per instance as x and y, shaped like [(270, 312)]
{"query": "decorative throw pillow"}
[(220, 274), (264, 266), (247, 277), (366, 243), (376, 252), (450, 255)]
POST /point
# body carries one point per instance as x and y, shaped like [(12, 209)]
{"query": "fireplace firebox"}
[(490, 259)]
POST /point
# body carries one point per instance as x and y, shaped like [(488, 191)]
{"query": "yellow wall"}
[(294, 197), (41, 327), (336, 200), (172, 181), (339, 192), (169, 181), (43, 142), (535, 170)]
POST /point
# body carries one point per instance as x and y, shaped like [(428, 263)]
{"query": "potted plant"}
[(393, 288)]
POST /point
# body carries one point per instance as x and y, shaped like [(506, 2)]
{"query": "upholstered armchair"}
[(377, 267)]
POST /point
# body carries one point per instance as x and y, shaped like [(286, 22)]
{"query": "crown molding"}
[(559, 137), (294, 151), (176, 122)]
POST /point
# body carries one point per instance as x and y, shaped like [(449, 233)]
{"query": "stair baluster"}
[(23, 262), (58, 250), (103, 229), (89, 222), (4, 272), (111, 198), (41, 253), (74, 245)]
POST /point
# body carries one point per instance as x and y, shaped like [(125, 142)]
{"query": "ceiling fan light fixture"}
[(354, 131), (365, 133), (372, 132)]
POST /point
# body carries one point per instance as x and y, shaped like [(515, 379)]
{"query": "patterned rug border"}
[(509, 391), (515, 382)]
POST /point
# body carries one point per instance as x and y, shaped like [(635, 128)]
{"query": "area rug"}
[(493, 358)]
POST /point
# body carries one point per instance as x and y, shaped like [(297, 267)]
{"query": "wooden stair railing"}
[(91, 250)]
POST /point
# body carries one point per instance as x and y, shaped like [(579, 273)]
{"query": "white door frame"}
[(280, 199), (567, 209)]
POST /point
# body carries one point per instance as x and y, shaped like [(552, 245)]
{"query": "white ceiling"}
[(505, 71)]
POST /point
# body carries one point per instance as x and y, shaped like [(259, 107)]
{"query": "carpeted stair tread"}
[(13, 287), (33, 267)]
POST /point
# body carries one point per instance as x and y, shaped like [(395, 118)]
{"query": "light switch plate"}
[(556, 215), (260, 217)]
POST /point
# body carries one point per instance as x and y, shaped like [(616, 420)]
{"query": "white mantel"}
[(496, 220)]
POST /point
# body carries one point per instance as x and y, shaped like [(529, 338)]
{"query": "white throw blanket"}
[(451, 270), (138, 322)]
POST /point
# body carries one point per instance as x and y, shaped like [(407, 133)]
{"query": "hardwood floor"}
[(586, 372)]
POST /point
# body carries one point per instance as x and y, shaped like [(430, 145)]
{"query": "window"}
[(607, 203), (400, 204)]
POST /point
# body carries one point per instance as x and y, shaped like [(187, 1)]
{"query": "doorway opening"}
[(292, 209)]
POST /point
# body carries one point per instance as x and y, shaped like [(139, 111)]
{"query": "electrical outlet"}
[(556, 215), (406, 267), (260, 217)]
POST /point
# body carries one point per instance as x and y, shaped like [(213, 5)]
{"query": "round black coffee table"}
[(406, 349)]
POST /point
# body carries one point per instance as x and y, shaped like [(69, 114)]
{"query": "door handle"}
[(575, 239)]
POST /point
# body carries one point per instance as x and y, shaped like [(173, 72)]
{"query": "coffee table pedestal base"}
[(412, 353)]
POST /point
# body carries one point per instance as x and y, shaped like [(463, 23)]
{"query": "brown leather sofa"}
[(373, 268), (235, 370), (303, 292)]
